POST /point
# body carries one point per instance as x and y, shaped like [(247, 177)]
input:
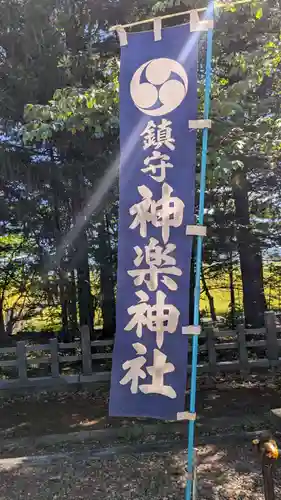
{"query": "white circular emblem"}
[(159, 86)]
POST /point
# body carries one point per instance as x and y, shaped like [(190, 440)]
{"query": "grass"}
[(219, 289), (49, 318)]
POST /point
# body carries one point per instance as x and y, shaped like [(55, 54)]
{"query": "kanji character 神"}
[(157, 162), (160, 318), (156, 257), (156, 136), (156, 371), (166, 212)]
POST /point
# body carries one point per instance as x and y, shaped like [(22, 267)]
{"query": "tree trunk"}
[(63, 280), (3, 332), (83, 283), (81, 257), (270, 288), (72, 307), (106, 280), (209, 297), (64, 305), (232, 293), (249, 254)]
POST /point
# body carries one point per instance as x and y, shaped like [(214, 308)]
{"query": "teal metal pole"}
[(196, 319)]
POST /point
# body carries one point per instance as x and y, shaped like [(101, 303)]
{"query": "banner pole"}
[(217, 5), (196, 319)]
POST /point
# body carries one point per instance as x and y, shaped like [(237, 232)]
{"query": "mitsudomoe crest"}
[(159, 86)]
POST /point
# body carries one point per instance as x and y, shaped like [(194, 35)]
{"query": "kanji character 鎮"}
[(156, 136)]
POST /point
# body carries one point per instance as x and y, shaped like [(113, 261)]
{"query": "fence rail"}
[(89, 361)]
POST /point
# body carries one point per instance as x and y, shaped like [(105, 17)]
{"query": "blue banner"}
[(158, 97)]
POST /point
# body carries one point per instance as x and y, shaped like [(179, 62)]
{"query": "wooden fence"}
[(54, 364)]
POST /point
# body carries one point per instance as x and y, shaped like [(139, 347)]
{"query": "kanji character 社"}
[(134, 367), (165, 213), (160, 318), (156, 136), (157, 372), (157, 162), (156, 257)]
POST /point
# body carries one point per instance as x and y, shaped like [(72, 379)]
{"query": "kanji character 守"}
[(157, 162)]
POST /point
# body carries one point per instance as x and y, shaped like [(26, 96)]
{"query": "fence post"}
[(211, 344), (21, 361), (55, 367), (243, 352), (271, 339), (86, 350)]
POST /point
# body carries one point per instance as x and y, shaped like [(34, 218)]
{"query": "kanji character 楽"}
[(156, 257)]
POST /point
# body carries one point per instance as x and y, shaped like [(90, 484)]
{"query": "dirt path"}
[(40, 414), (225, 473)]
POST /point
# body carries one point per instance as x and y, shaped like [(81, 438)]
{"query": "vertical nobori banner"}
[(158, 97)]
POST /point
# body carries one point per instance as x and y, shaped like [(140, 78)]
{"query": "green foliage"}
[(259, 13), (59, 100), (75, 109)]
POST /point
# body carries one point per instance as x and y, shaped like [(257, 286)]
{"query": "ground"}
[(130, 466), (48, 413), (225, 473)]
